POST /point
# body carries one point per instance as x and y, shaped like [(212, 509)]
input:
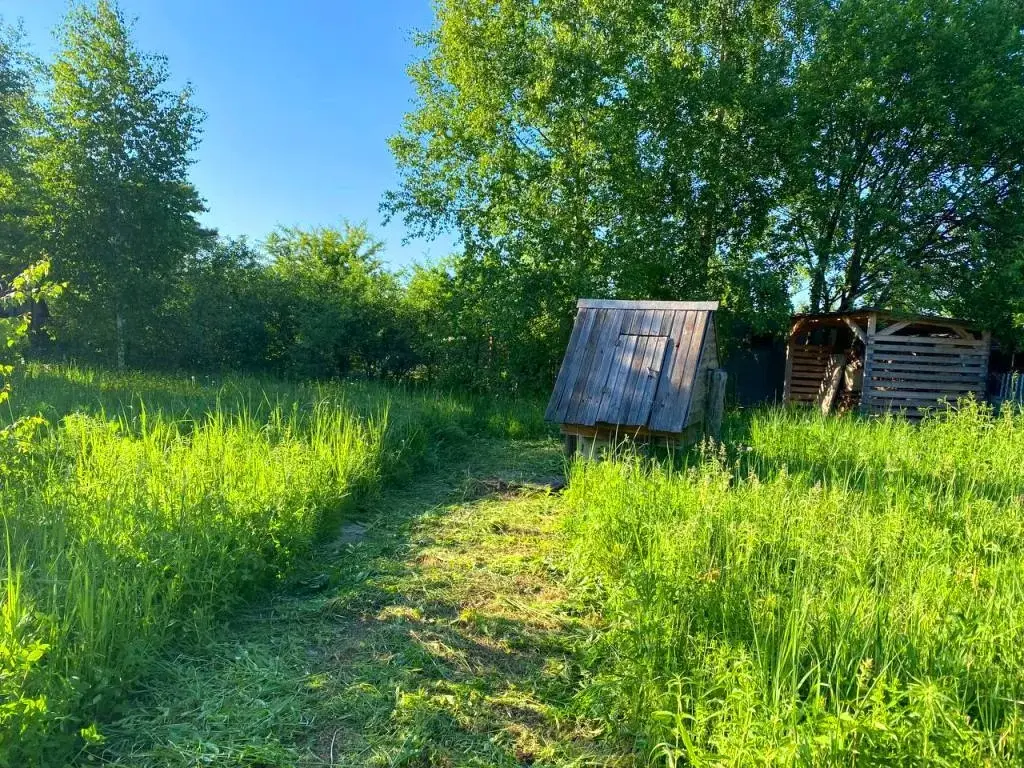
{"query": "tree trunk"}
[(854, 275), (818, 287)]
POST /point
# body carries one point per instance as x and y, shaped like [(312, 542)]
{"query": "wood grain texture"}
[(675, 306), (634, 364), (690, 383), (585, 356), (565, 371), (593, 386), (634, 381), (649, 374), (611, 401), (911, 373), (569, 372), (715, 406), (673, 326)]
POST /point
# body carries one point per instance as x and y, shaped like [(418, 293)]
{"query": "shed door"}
[(628, 392)]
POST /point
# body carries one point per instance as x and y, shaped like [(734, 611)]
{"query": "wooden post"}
[(715, 409), (986, 337), (787, 383), (869, 353)]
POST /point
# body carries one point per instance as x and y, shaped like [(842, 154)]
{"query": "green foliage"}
[(863, 151), (16, 184), (218, 317), (826, 590), (340, 310), (907, 152), (307, 304), (117, 213)]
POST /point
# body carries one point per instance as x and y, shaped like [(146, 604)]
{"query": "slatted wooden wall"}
[(917, 371), (631, 364), (806, 366)]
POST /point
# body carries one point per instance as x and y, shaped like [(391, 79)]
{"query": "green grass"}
[(821, 591), (140, 511), (175, 589), (444, 635)]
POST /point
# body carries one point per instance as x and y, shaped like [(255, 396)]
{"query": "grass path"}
[(434, 631)]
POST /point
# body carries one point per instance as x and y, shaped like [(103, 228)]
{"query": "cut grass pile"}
[(138, 510), (824, 591)]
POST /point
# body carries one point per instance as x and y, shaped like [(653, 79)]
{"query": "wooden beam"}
[(857, 330), (797, 325), (830, 385), (869, 352), (891, 329), (787, 382), (684, 306)]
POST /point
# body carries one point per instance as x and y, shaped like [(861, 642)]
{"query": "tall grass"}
[(140, 510), (820, 592)]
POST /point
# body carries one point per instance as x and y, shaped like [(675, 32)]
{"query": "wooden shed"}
[(878, 361), (637, 368)]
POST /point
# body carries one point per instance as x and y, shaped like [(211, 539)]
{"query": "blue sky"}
[(300, 98)]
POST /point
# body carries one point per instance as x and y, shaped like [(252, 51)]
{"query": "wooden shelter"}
[(639, 369), (880, 361)]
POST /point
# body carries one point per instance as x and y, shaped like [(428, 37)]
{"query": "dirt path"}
[(435, 631)]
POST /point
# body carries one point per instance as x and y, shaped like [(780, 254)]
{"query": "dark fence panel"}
[(756, 372)]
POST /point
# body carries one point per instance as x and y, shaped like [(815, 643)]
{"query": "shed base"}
[(598, 442)]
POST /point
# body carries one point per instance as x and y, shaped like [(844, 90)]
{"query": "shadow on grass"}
[(435, 633)]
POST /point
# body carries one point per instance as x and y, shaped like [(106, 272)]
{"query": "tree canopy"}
[(771, 154), (112, 157), (753, 151)]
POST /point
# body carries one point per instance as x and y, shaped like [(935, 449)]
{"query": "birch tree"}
[(113, 159)]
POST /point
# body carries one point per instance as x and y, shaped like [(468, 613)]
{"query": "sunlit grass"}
[(139, 510), (824, 591)]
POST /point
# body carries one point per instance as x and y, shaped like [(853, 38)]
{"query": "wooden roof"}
[(863, 313), (631, 364)]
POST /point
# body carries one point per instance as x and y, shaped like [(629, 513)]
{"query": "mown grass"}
[(817, 592), (138, 511), (443, 635)]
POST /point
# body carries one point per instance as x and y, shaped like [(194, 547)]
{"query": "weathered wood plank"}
[(917, 364), (676, 306), (903, 394), (597, 380), (787, 379), (644, 400), (857, 330), (586, 362), (932, 352), (612, 400), (809, 351), (869, 353), (693, 358), (671, 417), (891, 329), (924, 386), (930, 362), (939, 377), (566, 366), (830, 383), (715, 407), (571, 365), (632, 381), (941, 341), (666, 392)]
